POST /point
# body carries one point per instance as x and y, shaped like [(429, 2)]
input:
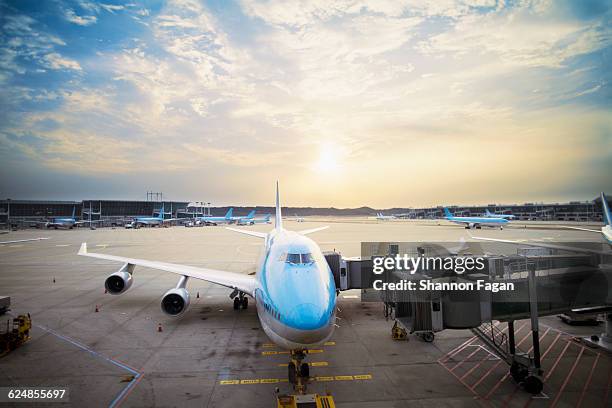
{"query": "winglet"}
[(83, 249), (279, 217)]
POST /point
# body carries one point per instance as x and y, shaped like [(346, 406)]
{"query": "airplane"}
[(253, 221), (227, 219), (21, 240), (298, 218), (475, 222), (151, 221), (380, 216), (245, 219), (489, 214), (66, 222), (293, 289)]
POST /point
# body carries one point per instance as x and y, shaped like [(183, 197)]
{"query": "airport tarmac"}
[(214, 356)]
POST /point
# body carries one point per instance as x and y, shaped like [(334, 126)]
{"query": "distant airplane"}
[(489, 214), (227, 219), (152, 221), (253, 221), (293, 289), (475, 222), (380, 216), (66, 222), (250, 216), (298, 218), (21, 240)]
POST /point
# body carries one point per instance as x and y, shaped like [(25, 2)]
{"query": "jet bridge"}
[(545, 283)]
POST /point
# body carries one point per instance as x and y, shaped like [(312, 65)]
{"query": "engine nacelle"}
[(175, 302), (118, 282)]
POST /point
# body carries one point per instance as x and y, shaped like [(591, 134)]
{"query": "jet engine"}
[(118, 282), (175, 302)]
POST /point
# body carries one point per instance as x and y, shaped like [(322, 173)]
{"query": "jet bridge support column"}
[(533, 311)]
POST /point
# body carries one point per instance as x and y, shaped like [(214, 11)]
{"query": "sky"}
[(348, 103)]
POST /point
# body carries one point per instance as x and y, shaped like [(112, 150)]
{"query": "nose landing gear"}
[(298, 371)]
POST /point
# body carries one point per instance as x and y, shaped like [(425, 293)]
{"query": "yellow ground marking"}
[(281, 380), (312, 364), (329, 343), (268, 345)]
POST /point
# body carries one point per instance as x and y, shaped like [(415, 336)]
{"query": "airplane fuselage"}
[(477, 221), (296, 294)]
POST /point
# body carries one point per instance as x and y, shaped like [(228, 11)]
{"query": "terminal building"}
[(585, 211)]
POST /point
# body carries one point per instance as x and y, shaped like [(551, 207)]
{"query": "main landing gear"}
[(298, 371), (240, 301)]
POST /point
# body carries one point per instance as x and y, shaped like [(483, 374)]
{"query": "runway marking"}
[(274, 352), (350, 297), (62, 245), (329, 343), (312, 364), (127, 389), (15, 246), (252, 381)]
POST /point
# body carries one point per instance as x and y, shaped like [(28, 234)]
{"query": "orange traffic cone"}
[(159, 328)]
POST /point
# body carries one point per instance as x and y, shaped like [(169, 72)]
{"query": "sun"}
[(328, 160)]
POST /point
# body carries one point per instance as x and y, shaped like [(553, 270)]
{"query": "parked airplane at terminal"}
[(152, 221), (293, 288), (209, 220), (66, 222), (489, 214), (253, 221), (475, 222), (380, 216)]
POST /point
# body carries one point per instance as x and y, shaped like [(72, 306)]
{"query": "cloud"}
[(72, 17), (56, 61)]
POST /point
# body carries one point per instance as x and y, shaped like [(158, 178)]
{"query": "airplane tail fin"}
[(74, 211), (279, 217), (447, 213), (161, 212), (251, 214), (607, 216), (228, 215), (488, 213)]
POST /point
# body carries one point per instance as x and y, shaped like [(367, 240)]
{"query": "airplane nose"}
[(307, 316)]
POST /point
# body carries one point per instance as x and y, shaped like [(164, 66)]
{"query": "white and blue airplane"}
[(66, 222), (209, 220), (381, 217), (246, 219), (159, 220), (475, 222), (253, 221), (489, 214), (293, 288)]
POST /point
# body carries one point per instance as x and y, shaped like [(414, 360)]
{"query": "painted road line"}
[(62, 245), (329, 343)]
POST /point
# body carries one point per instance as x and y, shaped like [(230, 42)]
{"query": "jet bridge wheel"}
[(236, 303), (292, 373), (244, 303), (428, 337), (518, 372), (533, 384), (304, 370)]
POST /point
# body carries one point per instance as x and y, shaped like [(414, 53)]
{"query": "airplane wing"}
[(246, 232), (310, 231), (581, 229), (244, 283), (544, 245), (21, 240)]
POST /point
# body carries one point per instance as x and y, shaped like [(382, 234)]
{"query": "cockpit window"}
[(297, 259)]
